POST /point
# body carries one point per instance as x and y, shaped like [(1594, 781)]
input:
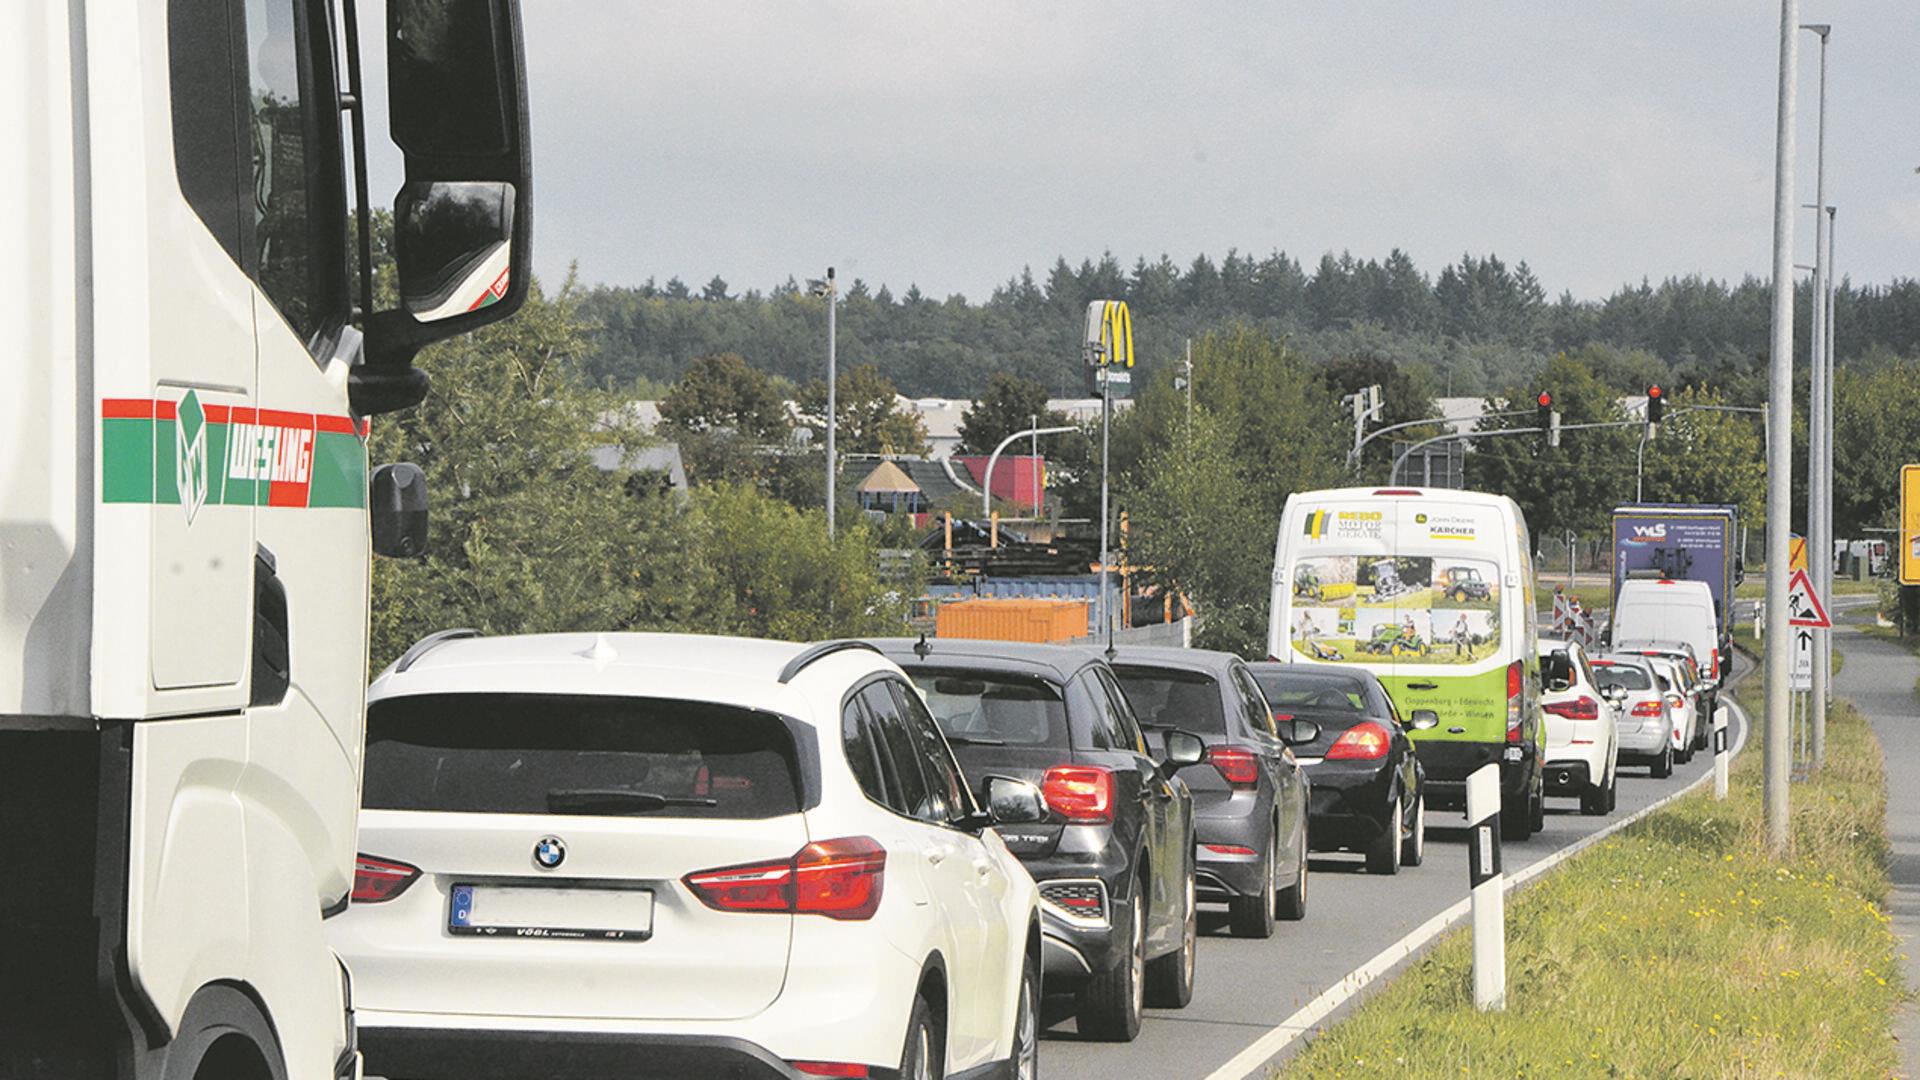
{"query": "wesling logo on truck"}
[(1682, 543)]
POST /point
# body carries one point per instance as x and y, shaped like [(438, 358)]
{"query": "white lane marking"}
[(1254, 1058)]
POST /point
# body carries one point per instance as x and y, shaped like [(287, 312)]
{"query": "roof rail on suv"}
[(817, 650), (431, 642)]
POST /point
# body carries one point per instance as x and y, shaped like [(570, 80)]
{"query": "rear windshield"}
[(1311, 693), (977, 709), (1624, 676), (1174, 699), (557, 754)]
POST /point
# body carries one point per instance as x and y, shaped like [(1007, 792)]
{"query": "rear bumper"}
[(1348, 808), (1567, 778), (1222, 876), (1449, 763), (1644, 745), (460, 1054)]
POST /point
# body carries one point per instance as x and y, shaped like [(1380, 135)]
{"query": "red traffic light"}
[(1546, 400), (1653, 391)]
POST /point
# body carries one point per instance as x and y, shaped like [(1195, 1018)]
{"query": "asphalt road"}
[(1244, 988)]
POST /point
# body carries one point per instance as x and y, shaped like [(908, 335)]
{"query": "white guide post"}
[(1488, 885), (1720, 752)]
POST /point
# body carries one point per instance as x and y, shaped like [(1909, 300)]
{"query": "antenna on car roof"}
[(921, 648)]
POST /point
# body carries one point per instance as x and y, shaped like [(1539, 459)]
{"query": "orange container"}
[(1012, 620)]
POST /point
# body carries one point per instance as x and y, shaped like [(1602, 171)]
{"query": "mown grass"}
[(1676, 947)]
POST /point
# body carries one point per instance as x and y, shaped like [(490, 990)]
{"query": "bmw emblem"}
[(550, 852)]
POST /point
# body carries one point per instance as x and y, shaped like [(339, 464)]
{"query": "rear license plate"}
[(533, 911)]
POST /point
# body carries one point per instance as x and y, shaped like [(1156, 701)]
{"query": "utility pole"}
[(827, 289), (1819, 468), (1776, 748)]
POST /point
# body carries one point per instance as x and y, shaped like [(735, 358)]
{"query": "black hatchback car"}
[(1114, 858), (1367, 782), (1250, 808)]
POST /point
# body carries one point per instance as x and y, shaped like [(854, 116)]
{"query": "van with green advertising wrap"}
[(1432, 591)]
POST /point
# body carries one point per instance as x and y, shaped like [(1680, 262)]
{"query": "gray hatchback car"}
[(1250, 809)]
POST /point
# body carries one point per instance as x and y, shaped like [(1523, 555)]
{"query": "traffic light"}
[(1656, 404), (1546, 419)]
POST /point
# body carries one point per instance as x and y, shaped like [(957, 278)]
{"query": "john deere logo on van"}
[(190, 455)]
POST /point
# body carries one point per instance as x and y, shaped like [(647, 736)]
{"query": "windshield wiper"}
[(975, 740), (619, 800)]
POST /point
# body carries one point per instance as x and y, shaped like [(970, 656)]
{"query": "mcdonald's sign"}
[(1109, 340)]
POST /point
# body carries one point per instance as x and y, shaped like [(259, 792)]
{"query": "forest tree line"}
[(1478, 325)]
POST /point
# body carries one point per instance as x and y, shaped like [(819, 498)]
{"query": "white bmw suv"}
[(652, 855)]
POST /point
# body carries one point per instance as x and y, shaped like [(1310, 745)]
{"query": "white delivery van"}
[(1666, 610), (1432, 591)]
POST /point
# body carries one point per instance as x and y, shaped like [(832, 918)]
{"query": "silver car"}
[(1645, 718)]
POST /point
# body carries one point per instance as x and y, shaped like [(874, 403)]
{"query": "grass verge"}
[(1676, 947)]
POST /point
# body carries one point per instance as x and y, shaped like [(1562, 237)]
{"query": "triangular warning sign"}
[(1803, 604)]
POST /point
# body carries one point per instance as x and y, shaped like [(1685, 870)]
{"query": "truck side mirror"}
[(397, 503), (461, 221)]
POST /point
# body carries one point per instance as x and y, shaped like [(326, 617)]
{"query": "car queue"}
[(679, 855)]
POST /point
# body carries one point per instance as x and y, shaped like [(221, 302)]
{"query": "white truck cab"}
[(185, 502)]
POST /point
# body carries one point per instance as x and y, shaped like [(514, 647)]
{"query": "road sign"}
[(1797, 553), (1802, 677), (1910, 524), (1803, 604)]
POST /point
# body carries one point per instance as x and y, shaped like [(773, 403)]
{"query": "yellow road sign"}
[(1797, 553), (1910, 524)]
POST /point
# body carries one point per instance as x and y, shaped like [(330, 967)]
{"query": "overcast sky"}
[(948, 145)]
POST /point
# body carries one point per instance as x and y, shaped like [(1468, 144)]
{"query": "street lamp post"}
[(1775, 747), (1819, 470), (827, 289)]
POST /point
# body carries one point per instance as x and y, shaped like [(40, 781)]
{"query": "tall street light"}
[(827, 289), (1775, 747), (1819, 367)]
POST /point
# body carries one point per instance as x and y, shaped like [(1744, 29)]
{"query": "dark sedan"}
[(1114, 857), (1250, 808), (1367, 782)]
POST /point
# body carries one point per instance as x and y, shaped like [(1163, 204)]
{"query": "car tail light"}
[(1229, 849), (1365, 741), (828, 1068), (1676, 701), (1396, 491), (377, 880), (1580, 708), (1079, 793), (841, 879), (1237, 765), (1716, 661), (1516, 717), (1647, 708), (1083, 899)]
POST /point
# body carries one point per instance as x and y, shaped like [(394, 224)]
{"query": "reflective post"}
[(1489, 893)]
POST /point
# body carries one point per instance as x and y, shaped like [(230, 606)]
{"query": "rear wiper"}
[(619, 800), (975, 740)]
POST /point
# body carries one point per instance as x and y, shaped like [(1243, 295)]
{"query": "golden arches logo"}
[(1109, 340)]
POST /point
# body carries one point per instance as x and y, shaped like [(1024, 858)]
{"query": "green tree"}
[(780, 576), (1191, 528), (1876, 430), (870, 420), (1574, 486), (1708, 457), (527, 534), (1010, 404), (723, 391)]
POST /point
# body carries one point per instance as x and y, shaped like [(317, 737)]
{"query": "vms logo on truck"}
[(1644, 534), (191, 471)]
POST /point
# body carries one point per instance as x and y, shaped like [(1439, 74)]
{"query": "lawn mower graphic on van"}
[(1442, 614)]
